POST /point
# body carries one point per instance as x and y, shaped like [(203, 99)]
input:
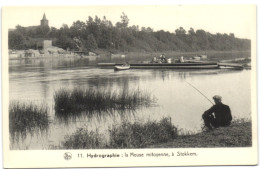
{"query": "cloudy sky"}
[(237, 19)]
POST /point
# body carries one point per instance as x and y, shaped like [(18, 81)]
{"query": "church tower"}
[(44, 21)]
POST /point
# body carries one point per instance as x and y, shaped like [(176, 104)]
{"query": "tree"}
[(124, 21), (106, 22), (15, 40), (77, 43), (192, 39), (148, 30), (78, 29), (105, 38), (96, 33), (21, 29), (91, 42), (65, 43), (180, 31), (64, 30), (93, 27), (203, 41), (192, 32)]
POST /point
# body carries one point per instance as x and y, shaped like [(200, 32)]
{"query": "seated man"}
[(218, 115)]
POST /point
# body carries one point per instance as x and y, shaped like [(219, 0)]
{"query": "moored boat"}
[(184, 65), (122, 67), (197, 65)]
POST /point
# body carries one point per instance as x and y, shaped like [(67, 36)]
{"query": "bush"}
[(126, 135), (83, 139), (140, 135)]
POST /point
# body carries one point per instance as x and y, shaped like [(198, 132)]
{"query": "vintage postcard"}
[(129, 86)]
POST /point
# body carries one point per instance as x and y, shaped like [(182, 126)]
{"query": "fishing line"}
[(200, 92)]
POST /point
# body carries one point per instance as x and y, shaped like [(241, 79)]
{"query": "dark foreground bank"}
[(239, 134), (162, 134)]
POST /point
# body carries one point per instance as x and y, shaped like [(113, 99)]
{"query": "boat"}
[(121, 67), (185, 65)]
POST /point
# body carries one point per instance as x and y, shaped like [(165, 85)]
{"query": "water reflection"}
[(38, 80), (48, 63)]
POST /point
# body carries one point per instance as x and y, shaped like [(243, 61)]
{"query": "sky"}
[(237, 19)]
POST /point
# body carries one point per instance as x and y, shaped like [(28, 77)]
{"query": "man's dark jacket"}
[(222, 114)]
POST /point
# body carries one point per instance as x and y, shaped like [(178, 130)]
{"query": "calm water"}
[(37, 80)]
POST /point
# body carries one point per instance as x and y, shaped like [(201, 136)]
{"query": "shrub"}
[(83, 139), (139, 135), (126, 135)]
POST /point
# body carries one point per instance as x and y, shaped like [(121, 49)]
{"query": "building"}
[(44, 25), (41, 42), (38, 36), (44, 44), (44, 21)]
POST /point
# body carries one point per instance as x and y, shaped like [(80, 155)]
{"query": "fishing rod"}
[(200, 92)]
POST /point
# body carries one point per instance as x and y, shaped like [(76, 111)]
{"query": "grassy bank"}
[(27, 119), (239, 134), (126, 135), (162, 134)]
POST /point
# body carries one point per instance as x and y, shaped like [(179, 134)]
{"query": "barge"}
[(196, 65)]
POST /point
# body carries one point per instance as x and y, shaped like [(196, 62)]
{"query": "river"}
[(37, 80)]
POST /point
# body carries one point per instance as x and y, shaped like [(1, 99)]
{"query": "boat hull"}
[(118, 68), (174, 66), (207, 65)]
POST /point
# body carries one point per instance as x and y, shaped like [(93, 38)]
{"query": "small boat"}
[(122, 67)]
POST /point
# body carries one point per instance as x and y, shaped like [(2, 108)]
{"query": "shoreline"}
[(104, 53), (238, 134)]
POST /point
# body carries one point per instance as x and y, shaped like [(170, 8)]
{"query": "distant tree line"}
[(98, 33)]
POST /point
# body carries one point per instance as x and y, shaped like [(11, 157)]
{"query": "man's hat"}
[(217, 97)]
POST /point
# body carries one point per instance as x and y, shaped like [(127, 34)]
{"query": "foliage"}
[(126, 135), (238, 134), (83, 139), (91, 42), (16, 40), (139, 135), (96, 33)]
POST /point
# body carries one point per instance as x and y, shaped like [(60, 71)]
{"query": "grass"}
[(238, 134), (27, 119), (162, 134), (73, 102), (126, 135), (139, 135), (83, 139)]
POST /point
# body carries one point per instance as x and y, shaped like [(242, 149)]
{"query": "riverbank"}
[(162, 134), (117, 56), (238, 134)]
